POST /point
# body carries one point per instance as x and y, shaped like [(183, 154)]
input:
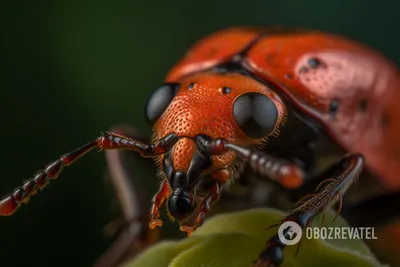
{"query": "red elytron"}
[(236, 92)]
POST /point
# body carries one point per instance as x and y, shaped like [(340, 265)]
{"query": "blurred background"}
[(71, 69)]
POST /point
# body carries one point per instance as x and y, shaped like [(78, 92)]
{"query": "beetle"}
[(261, 98)]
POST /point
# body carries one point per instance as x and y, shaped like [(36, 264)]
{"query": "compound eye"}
[(255, 114), (160, 100)]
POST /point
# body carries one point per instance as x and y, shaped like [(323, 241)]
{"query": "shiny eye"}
[(255, 114), (160, 100)]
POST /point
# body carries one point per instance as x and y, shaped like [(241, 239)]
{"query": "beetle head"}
[(230, 106)]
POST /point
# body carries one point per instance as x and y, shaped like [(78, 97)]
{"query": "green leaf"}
[(236, 239)]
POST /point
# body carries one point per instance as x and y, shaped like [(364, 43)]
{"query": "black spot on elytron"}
[(191, 85), (313, 63), (363, 105), (255, 114), (303, 69), (385, 120), (160, 100), (333, 108), (226, 90), (288, 76)]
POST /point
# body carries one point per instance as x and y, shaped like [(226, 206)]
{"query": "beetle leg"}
[(204, 208), (10, 203), (306, 211), (158, 200), (134, 234)]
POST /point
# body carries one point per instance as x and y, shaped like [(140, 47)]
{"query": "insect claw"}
[(188, 229), (155, 223)]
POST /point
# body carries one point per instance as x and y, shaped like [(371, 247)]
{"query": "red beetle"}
[(241, 87)]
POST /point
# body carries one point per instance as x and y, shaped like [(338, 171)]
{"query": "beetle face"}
[(184, 166), (229, 106)]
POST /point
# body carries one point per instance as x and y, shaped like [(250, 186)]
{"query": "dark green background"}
[(70, 69)]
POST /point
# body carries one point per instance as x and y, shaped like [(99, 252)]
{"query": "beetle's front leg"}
[(163, 193), (204, 208), (328, 193)]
